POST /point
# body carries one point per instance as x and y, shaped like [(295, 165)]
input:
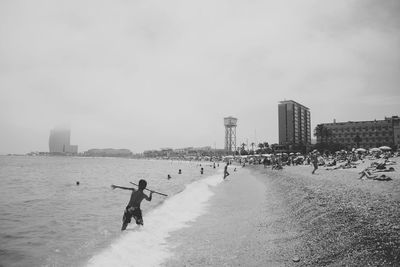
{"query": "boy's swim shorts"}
[(134, 212)]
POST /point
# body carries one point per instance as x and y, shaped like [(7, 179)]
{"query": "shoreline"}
[(232, 232), (264, 217)]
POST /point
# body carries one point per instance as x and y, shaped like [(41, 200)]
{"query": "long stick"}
[(152, 190)]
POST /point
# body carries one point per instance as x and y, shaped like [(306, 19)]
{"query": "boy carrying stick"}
[(133, 207)]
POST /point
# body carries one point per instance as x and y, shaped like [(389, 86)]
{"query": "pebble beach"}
[(264, 217)]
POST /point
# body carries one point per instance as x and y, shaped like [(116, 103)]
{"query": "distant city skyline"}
[(147, 75)]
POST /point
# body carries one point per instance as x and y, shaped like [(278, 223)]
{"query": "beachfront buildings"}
[(294, 124), (184, 153), (365, 134), (59, 141), (108, 152)]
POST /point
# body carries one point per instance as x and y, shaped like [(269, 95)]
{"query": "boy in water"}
[(133, 207)]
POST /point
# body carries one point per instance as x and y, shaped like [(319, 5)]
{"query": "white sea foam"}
[(146, 246)]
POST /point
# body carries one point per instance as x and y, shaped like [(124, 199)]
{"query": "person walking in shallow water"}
[(133, 207), (226, 173)]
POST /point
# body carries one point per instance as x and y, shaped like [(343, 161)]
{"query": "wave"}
[(147, 245)]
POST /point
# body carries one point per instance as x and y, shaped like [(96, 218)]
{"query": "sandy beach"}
[(263, 217)]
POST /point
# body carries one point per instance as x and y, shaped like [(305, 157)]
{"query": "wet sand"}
[(243, 227), (263, 217)]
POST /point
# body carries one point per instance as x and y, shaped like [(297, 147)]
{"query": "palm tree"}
[(267, 148), (243, 145), (260, 148), (242, 149)]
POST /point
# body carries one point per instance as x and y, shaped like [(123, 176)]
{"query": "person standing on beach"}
[(226, 173), (133, 207), (314, 160)]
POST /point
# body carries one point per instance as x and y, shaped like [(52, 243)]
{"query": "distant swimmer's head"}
[(142, 184)]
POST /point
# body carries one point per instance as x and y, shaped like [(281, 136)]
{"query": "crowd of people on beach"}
[(329, 161)]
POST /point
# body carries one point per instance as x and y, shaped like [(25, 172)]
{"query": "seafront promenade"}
[(264, 217)]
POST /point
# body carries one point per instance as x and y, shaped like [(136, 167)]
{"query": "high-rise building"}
[(59, 141), (294, 123), (366, 134)]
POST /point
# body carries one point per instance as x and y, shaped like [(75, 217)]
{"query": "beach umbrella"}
[(385, 148), (375, 149)]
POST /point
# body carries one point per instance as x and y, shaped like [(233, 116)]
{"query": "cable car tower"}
[(230, 134)]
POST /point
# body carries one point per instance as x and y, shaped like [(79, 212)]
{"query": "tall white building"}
[(294, 123), (59, 141)]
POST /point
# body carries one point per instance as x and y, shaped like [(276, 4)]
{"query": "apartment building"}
[(294, 123), (371, 134)]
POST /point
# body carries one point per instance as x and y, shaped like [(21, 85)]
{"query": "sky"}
[(151, 74)]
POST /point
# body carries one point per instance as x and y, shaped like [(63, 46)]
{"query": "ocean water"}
[(48, 220)]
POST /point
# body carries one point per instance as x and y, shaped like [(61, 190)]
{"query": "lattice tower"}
[(230, 133)]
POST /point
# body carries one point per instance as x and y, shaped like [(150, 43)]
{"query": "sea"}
[(46, 219)]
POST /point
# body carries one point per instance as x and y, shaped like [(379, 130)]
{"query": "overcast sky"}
[(149, 74)]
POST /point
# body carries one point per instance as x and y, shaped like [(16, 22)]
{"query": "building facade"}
[(294, 124), (370, 134), (187, 152)]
